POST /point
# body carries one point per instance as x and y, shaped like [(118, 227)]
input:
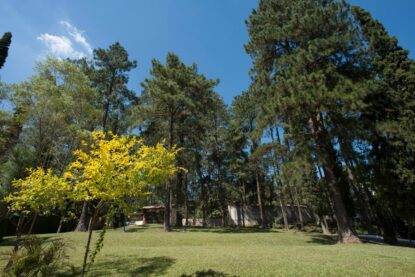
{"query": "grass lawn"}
[(148, 251)]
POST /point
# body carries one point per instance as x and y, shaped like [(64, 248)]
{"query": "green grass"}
[(148, 251)]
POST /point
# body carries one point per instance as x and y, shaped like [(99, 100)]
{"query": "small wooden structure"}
[(153, 214)]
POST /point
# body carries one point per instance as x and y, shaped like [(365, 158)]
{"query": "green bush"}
[(35, 258)]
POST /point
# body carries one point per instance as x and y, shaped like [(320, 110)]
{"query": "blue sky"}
[(210, 33)]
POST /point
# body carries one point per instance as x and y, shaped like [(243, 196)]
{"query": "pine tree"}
[(5, 42), (310, 48), (172, 108), (390, 113)]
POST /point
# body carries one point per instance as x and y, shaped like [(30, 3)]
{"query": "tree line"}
[(327, 122)]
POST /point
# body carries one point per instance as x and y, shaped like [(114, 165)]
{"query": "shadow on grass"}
[(131, 266), (208, 273), (323, 239), (137, 229), (226, 230), (11, 241)]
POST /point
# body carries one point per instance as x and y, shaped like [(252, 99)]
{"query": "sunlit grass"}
[(148, 251)]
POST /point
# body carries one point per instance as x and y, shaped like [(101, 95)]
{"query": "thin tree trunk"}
[(243, 203), (300, 214), (32, 224), (167, 227), (202, 189), (108, 103), (292, 205), (283, 212), (88, 244), (19, 231), (82, 223), (185, 201), (169, 193), (60, 225), (260, 201), (328, 158), (277, 172), (323, 223)]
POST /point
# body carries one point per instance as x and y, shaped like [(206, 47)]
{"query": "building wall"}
[(272, 214), (251, 216)]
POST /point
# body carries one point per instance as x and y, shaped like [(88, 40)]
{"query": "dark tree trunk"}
[(387, 226), (168, 189), (283, 211), (19, 229), (32, 224), (167, 226), (186, 207), (300, 213), (222, 198), (292, 205), (243, 203), (277, 181), (202, 189), (327, 156), (263, 222), (88, 244), (107, 103), (363, 203)]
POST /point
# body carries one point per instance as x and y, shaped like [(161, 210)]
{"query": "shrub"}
[(35, 257)]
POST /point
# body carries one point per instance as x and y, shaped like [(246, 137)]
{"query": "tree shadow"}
[(372, 239), (11, 241), (208, 273), (131, 266), (227, 230), (323, 239), (138, 229)]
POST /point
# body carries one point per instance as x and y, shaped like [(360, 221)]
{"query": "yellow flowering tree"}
[(107, 170), (110, 168), (40, 192)]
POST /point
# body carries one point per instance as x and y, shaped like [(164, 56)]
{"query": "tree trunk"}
[(347, 153), (327, 156), (19, 228), (263, 222), (167, 226), (300, 213), (60, 225), (88, 244), (323, 223), (186, 208), (168, 190), (83, 219), (292, 205), (283, 211), (32, 224), (277, 172), (243, 203), (108, 102)]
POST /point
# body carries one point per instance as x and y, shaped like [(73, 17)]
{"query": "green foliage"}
[(36, 258), (108, 73), (5, 42), (57, 106)]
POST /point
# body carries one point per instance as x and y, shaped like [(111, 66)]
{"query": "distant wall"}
[(250, 215), (237, 215)]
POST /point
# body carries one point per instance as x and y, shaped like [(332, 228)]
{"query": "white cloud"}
[(62, 46), (77, 36)]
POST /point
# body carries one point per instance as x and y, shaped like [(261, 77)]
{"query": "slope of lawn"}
[(148, 251)]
